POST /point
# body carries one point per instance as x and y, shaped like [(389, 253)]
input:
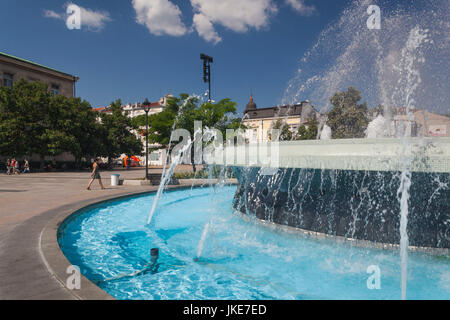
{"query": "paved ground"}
[(27, 203)]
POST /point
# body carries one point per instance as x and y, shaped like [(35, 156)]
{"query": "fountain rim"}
[(382, 154)]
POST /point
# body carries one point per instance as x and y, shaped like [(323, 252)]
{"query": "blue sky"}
[(125, 51)]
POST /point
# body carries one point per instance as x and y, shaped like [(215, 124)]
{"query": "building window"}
[(54, 89), (8, 80)]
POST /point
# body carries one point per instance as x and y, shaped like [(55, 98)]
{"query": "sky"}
[(137, 49)]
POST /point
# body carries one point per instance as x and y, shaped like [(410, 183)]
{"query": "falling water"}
[(201, 243), (167, 175), (348, 54), (388, 67), (325, 134), (409, 80), (378, 128)]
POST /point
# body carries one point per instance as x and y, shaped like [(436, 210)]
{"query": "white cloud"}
[(236, 15), (161, 17), (52, 14), (205, 28), (301, 7), (94, 20), (91, 19)]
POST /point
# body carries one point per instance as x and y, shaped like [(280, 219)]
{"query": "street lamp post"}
[(207, 60), (146, 105)]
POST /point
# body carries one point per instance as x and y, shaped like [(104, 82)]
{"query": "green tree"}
[(285, 133), (118, 137), (32, 121), (347, 118), (378, 110), (185, 110), (181, 113), (308, 133), (81, 122), (16, 124)]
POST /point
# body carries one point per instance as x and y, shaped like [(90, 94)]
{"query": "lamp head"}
[(206, 58)]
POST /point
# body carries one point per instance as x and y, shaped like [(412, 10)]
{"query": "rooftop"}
[(253, 112), (36, 64)]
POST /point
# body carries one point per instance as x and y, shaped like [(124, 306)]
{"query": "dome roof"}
[(250, 105)]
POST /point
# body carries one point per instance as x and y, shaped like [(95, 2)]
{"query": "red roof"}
[(99, 109)]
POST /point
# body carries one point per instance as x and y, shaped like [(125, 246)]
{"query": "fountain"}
[(327, 211), (378, 128), (325, 134), (349, 189)]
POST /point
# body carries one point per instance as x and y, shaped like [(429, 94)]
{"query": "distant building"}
[(157, 156), (422, 123), (13, 68), (261, 120)]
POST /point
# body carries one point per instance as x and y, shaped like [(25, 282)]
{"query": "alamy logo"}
[(74, 17), (374, 280), (209, 146), (74, 280), (374, 20)]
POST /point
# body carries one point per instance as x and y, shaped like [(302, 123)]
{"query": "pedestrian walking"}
[(8, 166), (16, 167), (13, 166), (26, 167), (95, 175)]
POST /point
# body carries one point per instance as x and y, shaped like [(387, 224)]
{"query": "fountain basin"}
[(241, 259), (348, 188)]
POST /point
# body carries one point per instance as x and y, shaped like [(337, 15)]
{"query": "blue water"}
[(240, 259)]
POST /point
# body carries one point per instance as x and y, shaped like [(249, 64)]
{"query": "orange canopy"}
[(134, 158)]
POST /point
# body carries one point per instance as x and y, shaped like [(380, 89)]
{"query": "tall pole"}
[(207, 60), (146, 144), (209, 82)]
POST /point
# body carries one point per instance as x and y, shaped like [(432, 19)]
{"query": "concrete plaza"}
[(28, 203)]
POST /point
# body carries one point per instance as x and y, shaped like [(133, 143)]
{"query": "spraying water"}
[(387, 71), (348, 54), (377, 128), (325, 134), (166, 176), (201, 243), (409, 81)]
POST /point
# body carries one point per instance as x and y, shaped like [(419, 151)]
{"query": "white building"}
[(155, 157)]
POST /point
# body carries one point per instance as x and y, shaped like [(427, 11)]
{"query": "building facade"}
[(259, 121), (157, 155), (422, 123), (13, 68)]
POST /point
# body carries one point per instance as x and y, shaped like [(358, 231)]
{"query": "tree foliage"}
[(308, 133), (347, 118), (118, 137), (284, 134), (181, 113), (34, 121)]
